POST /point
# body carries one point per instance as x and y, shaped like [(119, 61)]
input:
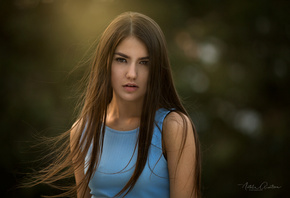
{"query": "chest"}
[(117, 165)]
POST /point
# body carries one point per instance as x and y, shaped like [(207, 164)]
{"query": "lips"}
[(130, 87)]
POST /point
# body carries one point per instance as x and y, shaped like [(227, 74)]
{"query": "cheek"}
[(114, 74), (146, 75), (145, 78)]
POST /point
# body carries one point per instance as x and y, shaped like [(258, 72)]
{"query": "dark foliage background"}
[(231, 66)]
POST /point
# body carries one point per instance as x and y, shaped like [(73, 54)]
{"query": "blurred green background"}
[(230, 61)]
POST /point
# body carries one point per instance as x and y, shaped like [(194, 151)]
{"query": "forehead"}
[(132, 46)]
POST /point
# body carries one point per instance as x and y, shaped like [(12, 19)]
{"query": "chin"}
[(131, 98)]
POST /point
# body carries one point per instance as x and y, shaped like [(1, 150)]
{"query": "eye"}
[(144, 62), (121, 60)]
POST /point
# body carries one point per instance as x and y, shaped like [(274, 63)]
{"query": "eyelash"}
[(144, 62), (123, 60)]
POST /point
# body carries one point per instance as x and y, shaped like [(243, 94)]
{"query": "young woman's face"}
[(130, 70)]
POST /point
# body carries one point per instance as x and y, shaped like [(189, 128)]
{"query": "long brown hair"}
[(161, 93)]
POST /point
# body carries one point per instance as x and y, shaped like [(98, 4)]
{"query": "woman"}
[(133, 137)]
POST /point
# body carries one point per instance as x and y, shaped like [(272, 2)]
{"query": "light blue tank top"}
[(118, 162)]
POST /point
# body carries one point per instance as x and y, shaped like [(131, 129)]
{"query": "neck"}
[(124, 114)]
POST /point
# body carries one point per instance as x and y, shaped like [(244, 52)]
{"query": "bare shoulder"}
[(177, 127), (176, 122), (176, 119)]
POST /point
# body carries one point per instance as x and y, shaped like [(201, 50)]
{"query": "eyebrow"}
[(126, 56)]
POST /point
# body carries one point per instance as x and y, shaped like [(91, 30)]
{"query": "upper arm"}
[(179, 142), (78, 169)]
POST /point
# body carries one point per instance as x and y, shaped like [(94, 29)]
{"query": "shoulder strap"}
[(159, 119)]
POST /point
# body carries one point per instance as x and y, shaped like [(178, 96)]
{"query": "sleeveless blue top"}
[(118, 160)]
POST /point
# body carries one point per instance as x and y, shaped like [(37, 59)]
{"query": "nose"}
[(132, 72)]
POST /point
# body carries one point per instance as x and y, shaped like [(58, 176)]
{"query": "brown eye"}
[(144, 62), (121, 60)]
